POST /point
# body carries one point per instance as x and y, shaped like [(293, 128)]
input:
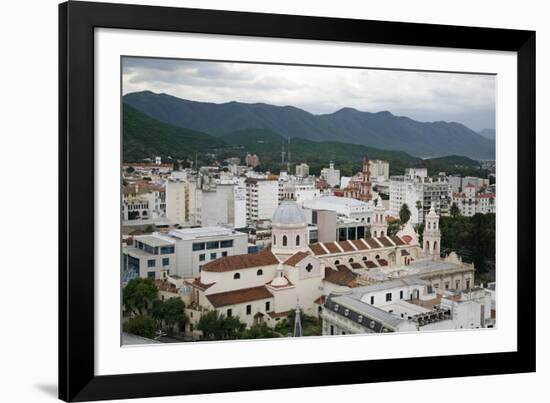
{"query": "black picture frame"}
[(77, 21)]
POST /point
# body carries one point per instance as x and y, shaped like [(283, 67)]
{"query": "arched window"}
[(382, 233), (274, 239), (297, 240), (284, 240), (336, 262), (364, 258), (236, 276), (259, 272), (377, 256), (350, 260), (429, 225)]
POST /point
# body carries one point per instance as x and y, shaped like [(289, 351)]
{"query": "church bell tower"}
[(432, 235)]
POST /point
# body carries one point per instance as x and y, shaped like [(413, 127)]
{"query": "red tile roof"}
[(372, 243), (384, 241), (201, 286), (296, 258), (382, 262), (332, 248), (239, 296), (340, 277), (359, 244), (370, 264), (356, 265), (237, 262), (317, 249), (346, 246), (398, 241), (405, 253)]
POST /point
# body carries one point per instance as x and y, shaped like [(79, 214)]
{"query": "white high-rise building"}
[(331, 175), (379, 169), (223, 204), (262, 198), (302, 170), (177, 198)]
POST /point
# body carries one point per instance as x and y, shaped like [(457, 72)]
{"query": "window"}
[(336, 262), (274, 239), (401, 294), (248, 309), (331, 330), (226, 244), (151, 275), (198, 246), (309, 267), (229, 313), (372, 300), (371, 324), (388, 297), (297, 240), (467, 284), (166, 250), (377, 256), (267, 306), (446, 285), (360, 318), (346, 312), (259, 272), (284, 240), (350, 260), (165, 261), (190, 327), (212, 245), (224, 253), (237, 276), (213, 256), (202, 257), (364, 258), (151, 263), (457, 284)]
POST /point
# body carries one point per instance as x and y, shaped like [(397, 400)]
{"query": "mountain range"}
[(381, 130)]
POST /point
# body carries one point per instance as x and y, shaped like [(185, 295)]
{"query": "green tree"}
[(455, 212), (216, 326), (259, 331), (172, 312), (139, 294), (404, 214), (141, 325)]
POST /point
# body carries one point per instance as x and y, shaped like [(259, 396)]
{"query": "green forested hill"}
[(381, 130), (145, 137)]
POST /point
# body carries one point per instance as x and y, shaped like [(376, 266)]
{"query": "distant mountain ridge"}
[(381, 130), (488, 133)]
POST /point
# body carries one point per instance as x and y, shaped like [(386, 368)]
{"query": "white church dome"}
[(288, 213)]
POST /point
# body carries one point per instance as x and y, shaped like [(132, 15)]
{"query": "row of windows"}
[(202, 256), (237, 276), (153, 262), (213, 245), (285, 240), (229, 312), (164, 250)]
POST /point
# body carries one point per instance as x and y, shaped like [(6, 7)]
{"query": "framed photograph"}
[(258, 201)]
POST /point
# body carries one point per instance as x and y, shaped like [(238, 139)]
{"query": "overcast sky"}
[(464, 98)]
